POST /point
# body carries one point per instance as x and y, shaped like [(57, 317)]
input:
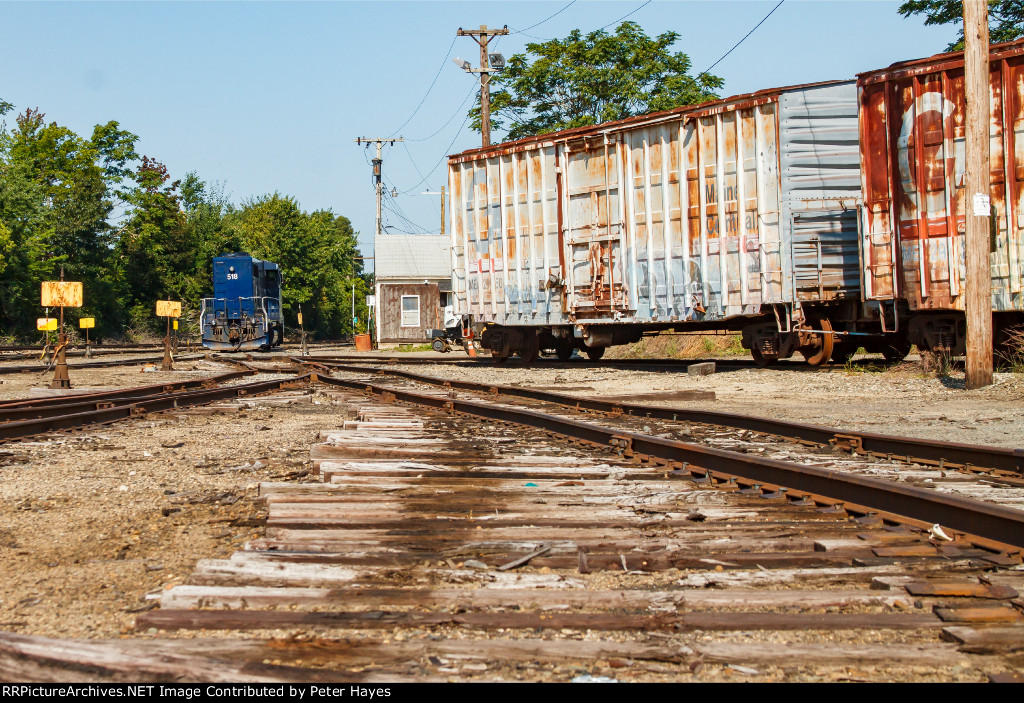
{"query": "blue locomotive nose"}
[(245, 310)]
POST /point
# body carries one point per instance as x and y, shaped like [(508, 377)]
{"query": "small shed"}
[(413, 274)]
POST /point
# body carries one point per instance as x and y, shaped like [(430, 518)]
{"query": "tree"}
[(1005, 17), (155, 250), (316, 252), (55, 206), (585, 80)]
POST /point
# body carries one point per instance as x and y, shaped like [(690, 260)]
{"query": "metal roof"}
[(703, 109), (412, 256)]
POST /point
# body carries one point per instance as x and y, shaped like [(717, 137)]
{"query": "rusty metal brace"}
[(847, 443)]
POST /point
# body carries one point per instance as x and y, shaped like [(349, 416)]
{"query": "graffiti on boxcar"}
[(731, 223), (952, 152)]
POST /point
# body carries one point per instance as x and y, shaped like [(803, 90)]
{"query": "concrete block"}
[(705, 369)]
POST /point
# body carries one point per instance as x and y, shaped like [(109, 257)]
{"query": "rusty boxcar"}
[(742, 214), (912, 118)]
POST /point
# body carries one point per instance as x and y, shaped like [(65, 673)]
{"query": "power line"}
[(389, 205), (523, 31), (704, 72), (471, 92), (628, 14), (444, 155), (432, 84)]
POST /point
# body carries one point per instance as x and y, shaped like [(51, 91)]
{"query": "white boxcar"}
[(737, 214)]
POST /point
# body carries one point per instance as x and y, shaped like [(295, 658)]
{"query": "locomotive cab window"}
[(410, 311)]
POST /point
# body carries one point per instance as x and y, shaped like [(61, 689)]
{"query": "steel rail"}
[(36, 348), (985, 520), (738, 363), (923, 451), (125, 392), (78, 404), (41, 368), (28, 428)]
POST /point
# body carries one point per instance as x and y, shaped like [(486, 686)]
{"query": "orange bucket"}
[(363, 343)]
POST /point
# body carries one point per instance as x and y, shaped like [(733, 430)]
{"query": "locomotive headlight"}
[(231, 269)]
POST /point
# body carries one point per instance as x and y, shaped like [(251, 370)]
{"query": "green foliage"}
[(1005, 18), (588, 79), (55, 200), (316, 253), (96, 210)]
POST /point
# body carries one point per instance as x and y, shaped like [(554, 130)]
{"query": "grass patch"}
[(668, 345), (413, 347), (1011, 351)]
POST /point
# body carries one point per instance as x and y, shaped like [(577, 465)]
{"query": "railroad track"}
[(454, 539), (43, 368), (579, 362), (446, 547), (994, 462), (21, 419)]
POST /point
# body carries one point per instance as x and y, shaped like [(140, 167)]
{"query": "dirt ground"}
[(866, 395), (93, 524)]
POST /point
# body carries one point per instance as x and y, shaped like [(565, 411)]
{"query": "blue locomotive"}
[(245, 310)]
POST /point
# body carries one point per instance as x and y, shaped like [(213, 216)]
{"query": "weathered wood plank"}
[(187, 596), (985, 639), (252, 619), (41, 659), (960, 589)]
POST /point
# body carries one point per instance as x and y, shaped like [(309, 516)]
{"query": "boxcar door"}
[(593, 230)]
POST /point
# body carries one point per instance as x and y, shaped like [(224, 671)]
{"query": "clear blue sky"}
[(270, 96)]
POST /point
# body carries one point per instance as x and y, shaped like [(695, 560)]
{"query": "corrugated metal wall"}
[(912, 122), (820, 178)]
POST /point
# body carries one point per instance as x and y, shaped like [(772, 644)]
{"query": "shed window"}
[(410, 311)]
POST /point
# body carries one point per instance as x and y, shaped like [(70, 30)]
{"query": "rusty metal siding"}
[(504, 237), (390, 311), (672, 217), (913, 155)]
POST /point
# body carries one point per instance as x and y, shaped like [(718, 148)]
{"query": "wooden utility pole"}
[(483, 37), (978, 300), (377, 163)]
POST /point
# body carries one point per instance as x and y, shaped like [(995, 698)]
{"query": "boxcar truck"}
[(244, 313)]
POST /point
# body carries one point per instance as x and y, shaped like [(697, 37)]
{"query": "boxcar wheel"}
[(761, 359), (822, 350), (843, 351), (529, 348), (564, 349), (896, 351), (594, 353)]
